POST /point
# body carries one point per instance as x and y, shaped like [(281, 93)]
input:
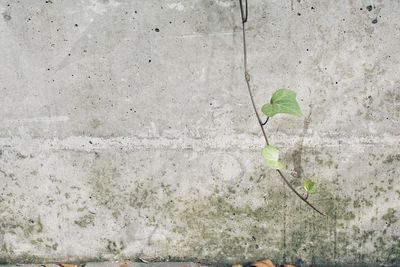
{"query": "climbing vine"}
[(283, 101)]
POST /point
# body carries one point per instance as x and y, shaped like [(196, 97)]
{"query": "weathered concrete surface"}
[(120, 264), (126, 131)]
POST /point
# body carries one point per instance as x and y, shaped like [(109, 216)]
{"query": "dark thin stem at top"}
[(244, 16)]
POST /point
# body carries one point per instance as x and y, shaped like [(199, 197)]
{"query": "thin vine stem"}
[(244, 16), (265, 122)]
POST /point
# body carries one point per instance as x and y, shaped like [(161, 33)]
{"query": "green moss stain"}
[(85, 220), (33, 227), (140, 197), (391, 158), (112, 247), (104, 183), (220, 228), (312, 237), (11, 257), (94, 123), (390, 216), (240, 220), (223, 227)]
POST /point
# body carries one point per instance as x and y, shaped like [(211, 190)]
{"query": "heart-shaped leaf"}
[(309, 186), (271, 156), (282, 101)]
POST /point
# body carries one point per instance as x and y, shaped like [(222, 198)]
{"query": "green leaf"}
[(282, 101), (271, 156), (309, 186)]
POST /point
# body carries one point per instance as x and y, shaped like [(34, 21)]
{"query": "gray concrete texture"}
[(126, 131), (114, 264)]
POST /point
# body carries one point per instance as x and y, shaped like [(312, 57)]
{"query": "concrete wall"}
[(126, 131)]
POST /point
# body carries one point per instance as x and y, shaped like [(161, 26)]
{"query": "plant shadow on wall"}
[(283, 101)]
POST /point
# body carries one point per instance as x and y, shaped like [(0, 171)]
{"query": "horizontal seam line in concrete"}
[(225, 142)]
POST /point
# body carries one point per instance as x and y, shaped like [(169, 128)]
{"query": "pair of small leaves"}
[(282, 101), (271, 157)]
